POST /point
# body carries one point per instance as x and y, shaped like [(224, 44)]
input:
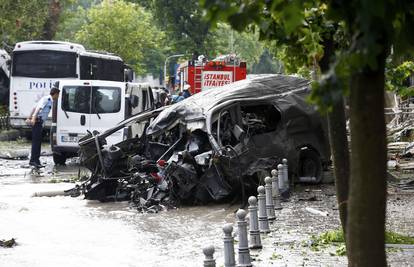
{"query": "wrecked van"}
[(216, 145)]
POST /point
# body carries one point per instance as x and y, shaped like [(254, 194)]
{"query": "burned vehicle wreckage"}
[(211, 147)]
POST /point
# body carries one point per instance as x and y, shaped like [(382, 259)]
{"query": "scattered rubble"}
[(400, 132), (15, 154), (8, 243)]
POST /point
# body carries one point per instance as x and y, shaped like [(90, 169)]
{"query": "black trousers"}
[(36, 141)]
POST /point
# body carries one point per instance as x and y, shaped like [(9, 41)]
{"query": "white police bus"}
[(37, 65)]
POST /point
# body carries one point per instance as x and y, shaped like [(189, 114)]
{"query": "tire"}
[(59, 158), (310, 165)]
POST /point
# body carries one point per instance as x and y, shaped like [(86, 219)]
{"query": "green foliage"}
[(22, 20), (246, 45), (183, 24), (295, 27), (296, 31), (276, 256), (338, 236), (122, 28), (396, 78), (72, 20), (267, 64), (340, 251), (329, 237), (395, 238), (331, 86)]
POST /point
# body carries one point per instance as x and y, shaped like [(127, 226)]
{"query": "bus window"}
[(92, 68), (111, 70), (44, 64)]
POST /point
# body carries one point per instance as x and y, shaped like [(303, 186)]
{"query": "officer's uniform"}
[(42, 110)]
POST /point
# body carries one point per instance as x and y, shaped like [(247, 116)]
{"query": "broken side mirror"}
[(134, 101)]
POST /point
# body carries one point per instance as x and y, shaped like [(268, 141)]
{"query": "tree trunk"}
[(367, 195), (52, 20), (340, 154), (337, 138)]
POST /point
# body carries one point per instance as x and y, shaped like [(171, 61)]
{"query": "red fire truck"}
[(202, 74)]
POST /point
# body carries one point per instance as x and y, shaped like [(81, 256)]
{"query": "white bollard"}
[(244, 252), (255, 240), (229, 258), (209, 261), (285, 174), (263, 222), (275, 191), (270, 209), (280, 178)]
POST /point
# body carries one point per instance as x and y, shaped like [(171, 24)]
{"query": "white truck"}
[(92, 105)]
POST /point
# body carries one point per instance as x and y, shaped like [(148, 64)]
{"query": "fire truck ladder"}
[(198, 71)]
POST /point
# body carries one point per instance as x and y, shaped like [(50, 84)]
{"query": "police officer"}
[(186, 91), (37, 117)]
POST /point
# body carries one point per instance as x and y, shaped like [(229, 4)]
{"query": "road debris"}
[(8, 243), (400, 131), (316, 212), (15, 154)]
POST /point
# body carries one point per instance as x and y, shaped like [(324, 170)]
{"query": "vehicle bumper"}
[(20, 123)]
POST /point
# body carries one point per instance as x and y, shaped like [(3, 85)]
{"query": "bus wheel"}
[(59, 158)]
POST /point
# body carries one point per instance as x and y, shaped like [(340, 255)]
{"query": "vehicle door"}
[(107, 109), (73, 114), (141, 99)]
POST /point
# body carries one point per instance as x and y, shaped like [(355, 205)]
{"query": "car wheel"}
[(59, 158), (310, 167)]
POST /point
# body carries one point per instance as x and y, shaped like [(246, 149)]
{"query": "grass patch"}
[(336, 237), (276, 256), (395, 238)]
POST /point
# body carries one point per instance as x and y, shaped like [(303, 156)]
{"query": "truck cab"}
[(94, 106)]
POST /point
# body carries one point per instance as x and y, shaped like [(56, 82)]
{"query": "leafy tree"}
[(17, 22), (397, 78), (122, 28), (52, 19), (267, 64), (183, 24), (72, 20), (25, 20), (246, 45)]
